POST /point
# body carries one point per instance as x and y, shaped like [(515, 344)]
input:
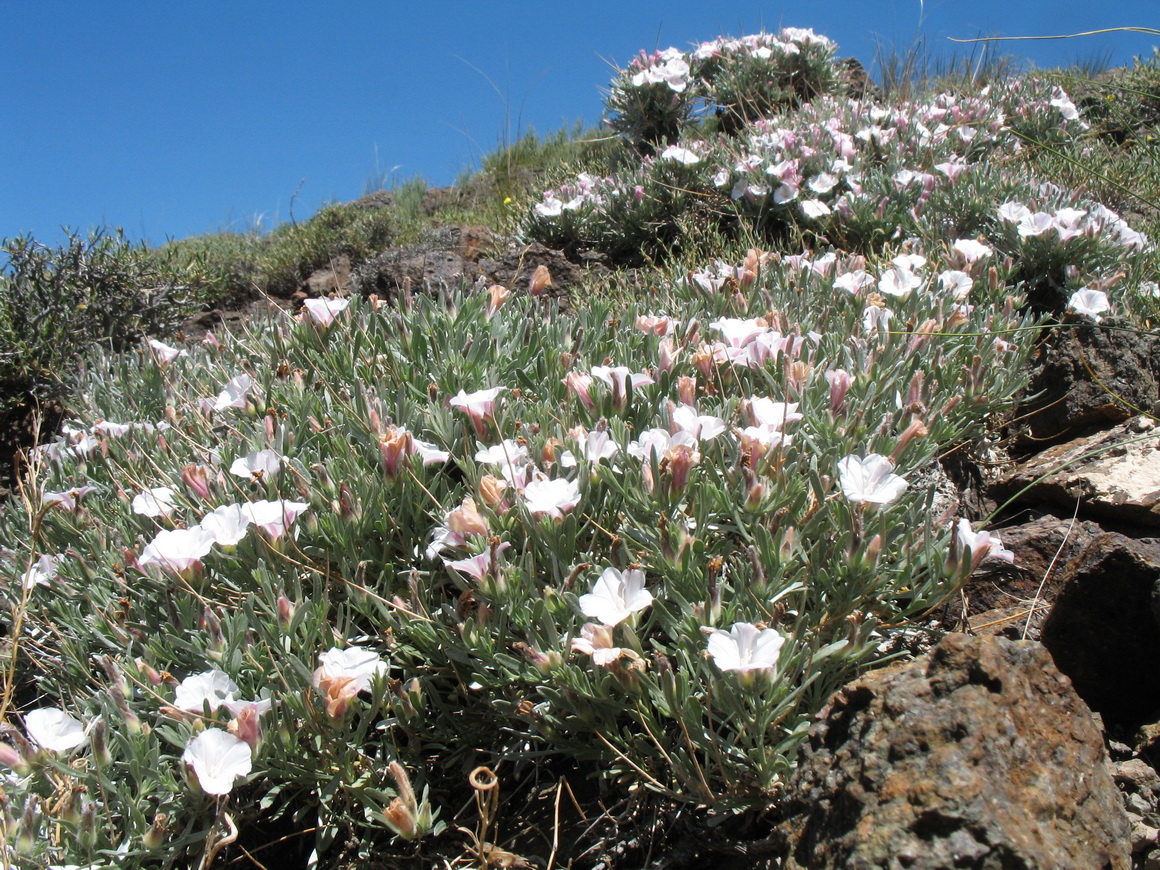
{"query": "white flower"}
[(955, 283), (42, 572), (746, 648), (680, 155), (156, 502), (234, 394), (353, 663), (274, 517), (213, 688), (814, 208), (1089, 302), (226, 524), (615, 596), (550, 207), (53, 729), (981, 544), (1013, 212), (1035, 224), (177, 550), (321, 312), (703, 427), (972, 250), (218, 759), (164, 353), (551, 497), (257, 465), (870, 479)]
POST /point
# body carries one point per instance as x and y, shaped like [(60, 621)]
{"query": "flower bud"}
[(499, 295), (687, 389), (541, 281)]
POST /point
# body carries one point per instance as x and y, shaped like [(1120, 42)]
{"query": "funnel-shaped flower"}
[(745, 648), (53, 729), (274, 517), (213, 688), (552, 498), (870, 479), (321, 312), (257, 465), (177, 550), (479, 406), (218, 759), (616, 596), (156, 502)]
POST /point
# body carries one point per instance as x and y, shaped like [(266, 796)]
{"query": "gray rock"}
[(978, 755), (1113, 474)]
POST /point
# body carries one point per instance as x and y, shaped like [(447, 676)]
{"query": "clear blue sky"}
[(179, 117)]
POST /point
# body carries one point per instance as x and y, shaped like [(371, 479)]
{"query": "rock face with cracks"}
[(978, 755)]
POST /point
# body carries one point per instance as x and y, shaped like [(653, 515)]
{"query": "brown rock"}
[(334, 278), (1087, 375), (1103, 631), (978, 755)]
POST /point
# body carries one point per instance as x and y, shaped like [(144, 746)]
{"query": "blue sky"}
[(178, 118)]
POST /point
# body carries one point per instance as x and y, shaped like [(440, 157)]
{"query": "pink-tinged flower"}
[(1061, 101), (226, 524), (247, 722), (971, 250), (1035, 224), (596, 640), (321, 312), (512, 459), (274, 517), (956, 284), (109, 429), (616, 596), (1013, 212), (746, 648), (480, 565), (875, 318), (210, 689), (702, 427), (1089, 303), (551, 497), (53, 729), (541, 279), (970, 548), (620, 378), (234, 394), (218, 760), (177, 550), (42, 572), (257, 465), (668, 354), (661, 325), (550, 207), (479, 406), (156, 502), (69, 500), (659, 442), (466, 519), (197, 478), (343, 673), (499, 294), (840, 382), (397, 443), (870, 479), (580, 384), (163, 353)]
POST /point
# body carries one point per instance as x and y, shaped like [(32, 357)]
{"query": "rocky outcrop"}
[(1113, 474), (1086, 374), (977, 755)]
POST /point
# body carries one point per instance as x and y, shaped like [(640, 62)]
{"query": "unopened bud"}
[(541, 281)]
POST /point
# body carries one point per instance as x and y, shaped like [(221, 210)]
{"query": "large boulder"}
[(979, 755), (1084, 375)]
